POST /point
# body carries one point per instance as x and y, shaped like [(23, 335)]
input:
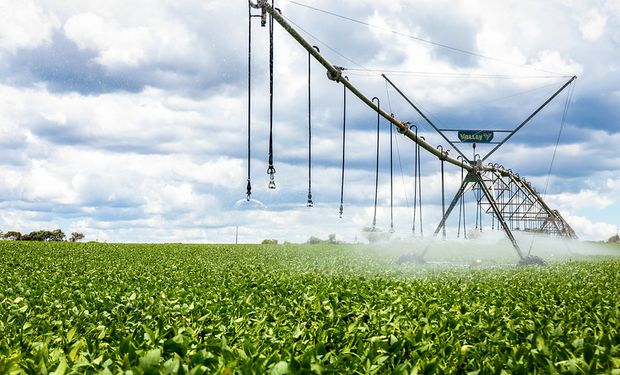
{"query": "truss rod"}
[(498, 214), (530, 117), (455, 200), (423, 115)]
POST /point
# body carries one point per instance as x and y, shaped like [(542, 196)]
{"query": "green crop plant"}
[(202, 309)]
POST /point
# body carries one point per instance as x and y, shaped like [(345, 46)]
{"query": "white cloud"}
[(588, 229), (548, 60), (492, 42), (592, 25), (116, 46), (23, 24), (120, 46), (46, 182), (163, 198), (582, 199)]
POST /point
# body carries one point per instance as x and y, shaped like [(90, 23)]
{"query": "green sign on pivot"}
[(479, 136)]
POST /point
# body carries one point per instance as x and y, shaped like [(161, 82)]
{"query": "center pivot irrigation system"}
[(511, 200)]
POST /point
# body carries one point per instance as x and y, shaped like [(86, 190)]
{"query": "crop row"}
[(91, 308)]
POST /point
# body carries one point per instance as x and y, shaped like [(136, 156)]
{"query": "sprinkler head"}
[(248, 192), (532, 260)]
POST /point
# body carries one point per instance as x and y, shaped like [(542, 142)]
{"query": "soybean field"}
[(202, 309)]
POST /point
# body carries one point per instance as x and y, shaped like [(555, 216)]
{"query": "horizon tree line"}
[(56, 235)]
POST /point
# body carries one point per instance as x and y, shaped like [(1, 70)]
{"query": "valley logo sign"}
[(480, 136)]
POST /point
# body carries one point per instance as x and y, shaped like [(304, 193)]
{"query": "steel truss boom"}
[(509, 198), (513, 202)]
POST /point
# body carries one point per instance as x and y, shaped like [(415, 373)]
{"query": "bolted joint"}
[(335, 76), (443, 155), (262, 4)]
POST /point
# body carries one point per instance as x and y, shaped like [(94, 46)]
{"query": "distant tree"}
[(36, 235), (55, 235), (614, 239), (269, 242), (12, 235), (374, 235), (331, 239), (314, 240), (76, 236)]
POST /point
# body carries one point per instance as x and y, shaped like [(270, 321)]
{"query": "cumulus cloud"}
[(592, 25), (121, 46), (584, 198), (116, 46), (591, 230), (24, 24)]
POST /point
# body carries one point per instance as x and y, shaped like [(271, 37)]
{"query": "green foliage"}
[(111, 308), (55, 235), (331, 239), (76, 236), (315, 241), (12, 235)]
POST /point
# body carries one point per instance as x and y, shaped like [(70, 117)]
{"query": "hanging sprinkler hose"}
[(309, 203), (251, 5), (374, 218), (443, 156), (461, 205), (415, 176), (344, 127), (391, 182), (271, 170)]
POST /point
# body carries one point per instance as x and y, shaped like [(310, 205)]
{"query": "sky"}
[(127, 121)]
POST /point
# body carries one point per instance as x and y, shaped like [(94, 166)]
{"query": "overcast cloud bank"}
[(126, 121)]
